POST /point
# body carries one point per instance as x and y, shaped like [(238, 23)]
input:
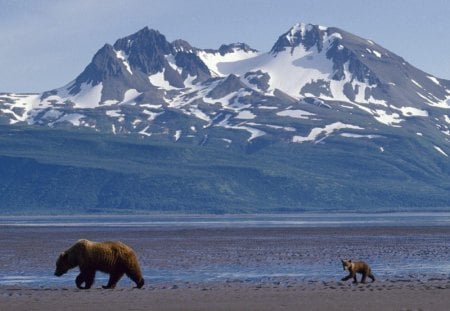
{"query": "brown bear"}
[(114, 258), (354, 267)]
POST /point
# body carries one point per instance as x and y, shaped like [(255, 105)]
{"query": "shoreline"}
[(384, 295)]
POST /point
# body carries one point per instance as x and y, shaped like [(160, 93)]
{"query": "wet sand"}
[(434, 295), (236, 269)]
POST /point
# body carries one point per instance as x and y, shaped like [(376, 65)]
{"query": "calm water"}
[(249, 248)]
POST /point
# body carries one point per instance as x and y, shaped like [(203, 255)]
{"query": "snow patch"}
[(245, 115), (136, 122), (151, 106), (389, 119), (268, 107), (215, 60), (416, 83), (288, 72), (159, 81), (298, 114), (152, 115), (109, 102), (230, 101), (254, 133), (228, 141), (73, 118), (177, 135), (434, 79), (52, 114), (441, 151), (411, 111), (130, 96), (351, 135), (439, 103), (88, 97), (277, 127), (114, 113), (325, 131), (124, 58), (376, 53), (144, 131), (172, 63)]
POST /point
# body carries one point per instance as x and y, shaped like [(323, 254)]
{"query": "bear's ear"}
[(349, 260)]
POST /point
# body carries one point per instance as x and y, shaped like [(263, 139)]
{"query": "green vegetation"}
[(45, 170)]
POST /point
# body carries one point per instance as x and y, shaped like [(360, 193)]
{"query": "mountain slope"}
[(325, 119)]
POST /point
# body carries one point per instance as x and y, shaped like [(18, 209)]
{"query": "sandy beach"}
[(233, 268)]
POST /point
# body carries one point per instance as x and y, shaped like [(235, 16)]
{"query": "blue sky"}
[(47, 43)]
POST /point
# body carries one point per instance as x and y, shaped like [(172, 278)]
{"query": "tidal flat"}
[(234, 262)]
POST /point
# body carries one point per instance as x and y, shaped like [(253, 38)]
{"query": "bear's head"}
[(64, 263), (346, 264)]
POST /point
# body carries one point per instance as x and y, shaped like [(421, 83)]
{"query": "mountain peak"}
[(182, 46), (308, 35), (145, 49), (233, 47), (144, 32)]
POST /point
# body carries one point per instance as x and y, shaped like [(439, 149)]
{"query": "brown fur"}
[(354, 267), (114, 258)]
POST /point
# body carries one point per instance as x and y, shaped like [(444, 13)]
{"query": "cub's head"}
[(64, 263), (346, 264)]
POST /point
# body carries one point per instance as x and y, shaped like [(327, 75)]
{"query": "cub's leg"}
[(114, 277), (370, 275), (363, 278), (355, 281), (349, 276)]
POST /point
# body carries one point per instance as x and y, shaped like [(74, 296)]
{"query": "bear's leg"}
[(136, 278), (372, 277), (86, 277), (114, 277), (80, 280), (90, 277)]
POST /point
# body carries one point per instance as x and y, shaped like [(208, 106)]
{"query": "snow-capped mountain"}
[(314, 82), (322, 102)]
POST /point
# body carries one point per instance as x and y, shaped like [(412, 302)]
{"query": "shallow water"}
[(234, 221), (262, 248)]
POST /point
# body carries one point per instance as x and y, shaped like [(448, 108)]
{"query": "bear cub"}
[(354, 267), (114, 258)]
